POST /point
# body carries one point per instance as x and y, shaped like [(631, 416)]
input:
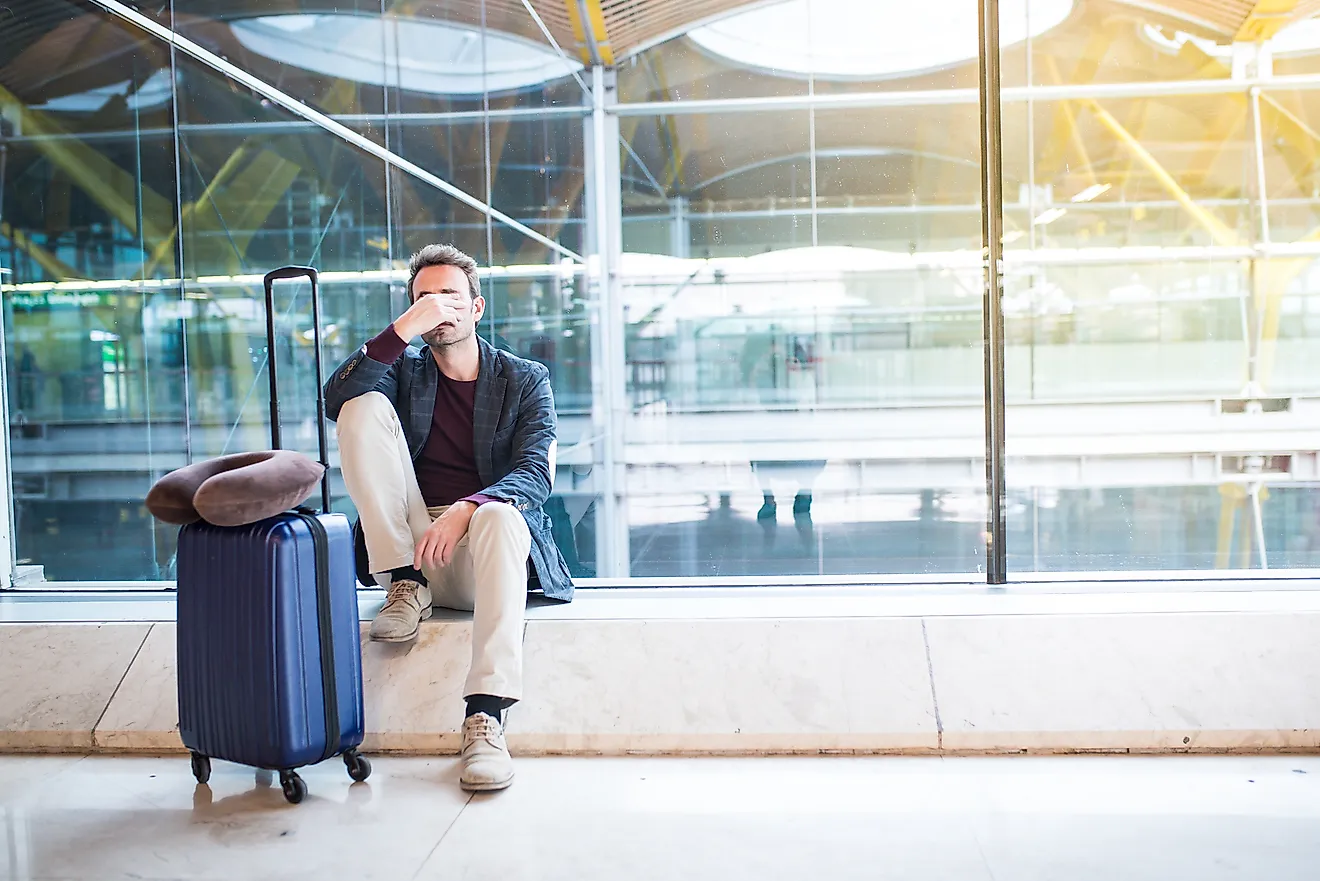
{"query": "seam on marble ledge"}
[(934, 698), (96, 726)]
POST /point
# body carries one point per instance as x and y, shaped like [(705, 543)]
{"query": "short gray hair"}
[(443, 255)]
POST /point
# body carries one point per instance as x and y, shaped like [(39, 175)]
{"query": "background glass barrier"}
[(1160, 414), (775, 368), (133, 317)]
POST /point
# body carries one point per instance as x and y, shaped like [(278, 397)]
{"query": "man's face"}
[(450, 283)]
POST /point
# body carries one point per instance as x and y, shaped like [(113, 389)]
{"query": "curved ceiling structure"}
[(616, 29)]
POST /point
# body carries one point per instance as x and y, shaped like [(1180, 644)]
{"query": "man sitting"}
[(446, 454)]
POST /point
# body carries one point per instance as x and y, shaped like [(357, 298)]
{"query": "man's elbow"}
[(333, 403)]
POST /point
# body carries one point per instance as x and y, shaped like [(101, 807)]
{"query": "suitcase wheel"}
[(201, 768), (294, 788), (358, 766)]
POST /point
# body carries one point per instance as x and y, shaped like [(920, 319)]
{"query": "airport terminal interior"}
[(749, 241)]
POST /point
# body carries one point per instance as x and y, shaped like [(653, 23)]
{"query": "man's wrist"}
[(471, 505), (386, 346), (404, 332)]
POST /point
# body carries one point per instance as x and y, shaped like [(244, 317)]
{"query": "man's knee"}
[(498, 517), (366, 412)]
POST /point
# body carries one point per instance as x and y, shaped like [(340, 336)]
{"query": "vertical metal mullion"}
[(811, 127), (1262, 194), (178, 247), (386, 22), (992, 231), (142, 311), (8, 527), (487, 159)]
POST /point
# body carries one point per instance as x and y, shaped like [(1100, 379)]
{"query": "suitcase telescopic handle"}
[(281, 274)]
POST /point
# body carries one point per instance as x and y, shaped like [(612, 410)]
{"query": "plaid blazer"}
[(513, 424)]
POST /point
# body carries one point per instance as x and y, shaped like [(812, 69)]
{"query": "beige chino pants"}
[(487, 574)]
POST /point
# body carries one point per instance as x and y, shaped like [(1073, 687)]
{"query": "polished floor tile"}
[(961, 819)]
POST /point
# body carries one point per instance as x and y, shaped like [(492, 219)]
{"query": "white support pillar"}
[(680, 228), (8, 557), (609, 368)]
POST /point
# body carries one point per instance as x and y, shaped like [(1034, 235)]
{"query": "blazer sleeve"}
[(527, 484), (358, 375)]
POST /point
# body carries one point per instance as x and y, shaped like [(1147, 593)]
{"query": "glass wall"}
[(143, 196), (761, 302), (1161, 362)]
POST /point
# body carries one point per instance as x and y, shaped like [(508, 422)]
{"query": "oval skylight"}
[(433, 57), (868, 39)]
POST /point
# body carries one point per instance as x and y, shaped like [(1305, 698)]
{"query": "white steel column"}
[(608, 365), (8, 557)]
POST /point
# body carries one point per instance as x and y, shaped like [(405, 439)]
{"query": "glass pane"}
[(729, 185), (539, 179), (1155, 344), (1288, 120), (523, 67), (798, 47), (540, 311), (741, 55), (331, 57), (422, 215), (1074, 42), (87, 212), (258, 194), (803, 338), (1171, 172)]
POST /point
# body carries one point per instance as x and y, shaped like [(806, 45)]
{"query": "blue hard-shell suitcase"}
[(269, 657)]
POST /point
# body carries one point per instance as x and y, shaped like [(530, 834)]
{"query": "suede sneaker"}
[(407, 604), (487, 766)]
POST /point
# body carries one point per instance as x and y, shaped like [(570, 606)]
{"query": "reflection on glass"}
[(717, 185), (428, 56), (87, 203), (780, 373), (1155, 347), (802, 330)]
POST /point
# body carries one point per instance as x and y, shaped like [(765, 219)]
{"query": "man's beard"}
[(443, 337)]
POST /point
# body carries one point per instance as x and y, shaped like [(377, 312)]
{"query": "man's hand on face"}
[(429, 312), (436, 548)]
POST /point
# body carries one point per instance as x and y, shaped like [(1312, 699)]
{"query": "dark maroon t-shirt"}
[(447, 468)]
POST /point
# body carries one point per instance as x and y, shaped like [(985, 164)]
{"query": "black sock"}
[(406, 573), (490, 705)]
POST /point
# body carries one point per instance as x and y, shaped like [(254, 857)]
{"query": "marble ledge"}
[(1063, 684), (57, 681)]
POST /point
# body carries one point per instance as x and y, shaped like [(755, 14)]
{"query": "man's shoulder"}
[(517, 368)]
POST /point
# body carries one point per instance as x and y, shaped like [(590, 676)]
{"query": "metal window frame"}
[(992, 328)]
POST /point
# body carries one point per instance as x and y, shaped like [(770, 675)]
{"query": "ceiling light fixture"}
[(1049, 216), (1091, 192)]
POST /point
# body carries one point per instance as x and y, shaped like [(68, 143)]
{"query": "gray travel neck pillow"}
[(235, 490)]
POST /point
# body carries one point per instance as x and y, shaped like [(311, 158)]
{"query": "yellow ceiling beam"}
[(1266, 19), (54, 266), (222, 177), (1219, 231), (1064, 132), (590, 31), (114, 189)]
